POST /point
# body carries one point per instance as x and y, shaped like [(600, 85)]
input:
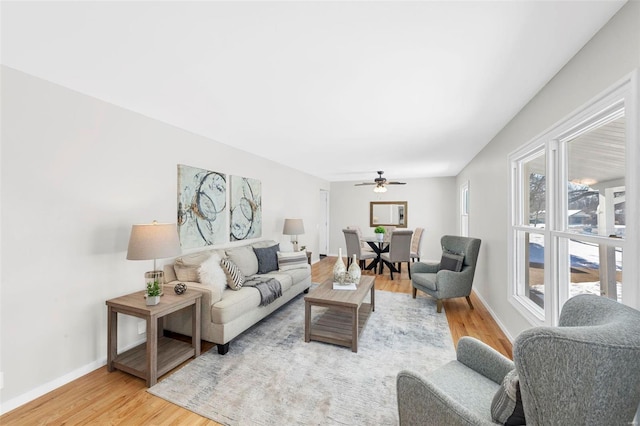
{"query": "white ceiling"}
[(336, 89)]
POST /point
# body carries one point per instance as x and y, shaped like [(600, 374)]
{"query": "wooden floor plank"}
[(101, 397)]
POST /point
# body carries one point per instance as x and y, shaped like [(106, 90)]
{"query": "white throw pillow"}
[(211, 273), (294, 260)]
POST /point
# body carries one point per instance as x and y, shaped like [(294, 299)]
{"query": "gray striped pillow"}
[(294, 260), (235, 277)]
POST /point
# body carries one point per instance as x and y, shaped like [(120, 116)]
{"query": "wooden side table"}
[(159, 354)]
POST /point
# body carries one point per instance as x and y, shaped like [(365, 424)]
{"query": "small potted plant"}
[(379, 231), (153, 293)]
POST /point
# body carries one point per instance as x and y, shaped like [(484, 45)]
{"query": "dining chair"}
[(354, 247), (399, 251), (388, 231), (415, 244), (363, 245)]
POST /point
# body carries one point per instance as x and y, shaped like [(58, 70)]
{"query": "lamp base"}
[(152, 276)]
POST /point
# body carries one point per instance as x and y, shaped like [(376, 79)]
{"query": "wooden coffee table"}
[(346, 316)]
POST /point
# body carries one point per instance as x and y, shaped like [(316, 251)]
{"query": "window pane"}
[(596, 180), (530, 249), (595, 269), (534, 191)]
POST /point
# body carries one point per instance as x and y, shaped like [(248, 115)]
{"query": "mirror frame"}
[(377, 203)]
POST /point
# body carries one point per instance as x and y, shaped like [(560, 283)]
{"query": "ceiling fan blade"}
[(365, 183), (396, 183)]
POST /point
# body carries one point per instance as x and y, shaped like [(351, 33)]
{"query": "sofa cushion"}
[(235, 277), (264, 243), (506, 407), (294, 260), (284, 279), (234, 304), (245, 258), (425, 279), (267, 258), (212, 274)]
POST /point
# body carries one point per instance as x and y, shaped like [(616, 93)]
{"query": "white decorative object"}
[(380, 237), (354, 271), (339, 270), (153, 300)]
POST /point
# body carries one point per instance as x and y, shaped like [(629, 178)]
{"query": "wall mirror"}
[(388, 213)]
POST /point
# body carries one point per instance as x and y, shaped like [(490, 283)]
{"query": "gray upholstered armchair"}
[(586, 371), (440, 283)]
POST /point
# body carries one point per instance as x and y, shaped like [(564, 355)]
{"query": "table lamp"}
[(153, 241), (293, 227)]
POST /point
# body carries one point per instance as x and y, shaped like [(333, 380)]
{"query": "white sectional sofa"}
[(227, 312)]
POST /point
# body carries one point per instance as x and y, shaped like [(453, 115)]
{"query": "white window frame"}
[(464, 209), (552, 141)]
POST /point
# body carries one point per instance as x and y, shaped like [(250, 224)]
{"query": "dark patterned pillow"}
[(506, 407), (267, 258), (451, 261), (235, 277)]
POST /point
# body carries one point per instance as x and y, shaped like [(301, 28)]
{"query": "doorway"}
[(323, 230)]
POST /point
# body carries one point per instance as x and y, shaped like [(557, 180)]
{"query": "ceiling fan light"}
[(379, 188)]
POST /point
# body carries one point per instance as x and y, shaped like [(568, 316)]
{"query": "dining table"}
[(378, 247)]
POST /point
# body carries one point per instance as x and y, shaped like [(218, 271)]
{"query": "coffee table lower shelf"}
[(335, 325), (171, 353)]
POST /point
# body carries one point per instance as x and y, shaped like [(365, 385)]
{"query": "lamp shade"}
[(293, 227), (153, 241)]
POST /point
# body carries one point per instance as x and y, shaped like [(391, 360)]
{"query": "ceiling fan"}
[(380, 183)]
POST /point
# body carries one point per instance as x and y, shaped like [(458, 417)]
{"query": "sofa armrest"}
[(424, 267), (421, 402), (483, 359), (210, 295)]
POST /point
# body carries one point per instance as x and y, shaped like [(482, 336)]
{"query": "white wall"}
[(431, 204), (608, 57), (76, 174)]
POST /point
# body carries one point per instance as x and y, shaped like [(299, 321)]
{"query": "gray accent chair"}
[(352, 238), (444, 284), (399, 251), (586, 371)]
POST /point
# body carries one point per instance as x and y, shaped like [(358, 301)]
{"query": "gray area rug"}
[(271, 376)]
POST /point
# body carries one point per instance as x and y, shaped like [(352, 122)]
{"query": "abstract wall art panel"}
[(246, 208), (202, 207)]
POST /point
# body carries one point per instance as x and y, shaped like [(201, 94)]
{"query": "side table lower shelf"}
[(171, 353)]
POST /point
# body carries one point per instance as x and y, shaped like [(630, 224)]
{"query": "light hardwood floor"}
[(103, 398)]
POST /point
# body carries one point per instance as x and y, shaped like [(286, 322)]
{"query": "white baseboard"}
[(18, 401), (495, 317)]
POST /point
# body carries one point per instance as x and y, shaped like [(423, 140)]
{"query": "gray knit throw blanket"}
[(269, 288)]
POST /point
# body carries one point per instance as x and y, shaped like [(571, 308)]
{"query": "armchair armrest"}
[(422, 402), (483, 359), (425, 267)]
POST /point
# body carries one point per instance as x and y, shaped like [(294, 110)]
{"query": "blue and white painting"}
[(246, 208), (202, 207)]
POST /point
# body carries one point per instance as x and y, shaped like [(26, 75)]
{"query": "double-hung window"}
[(574, 200)]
